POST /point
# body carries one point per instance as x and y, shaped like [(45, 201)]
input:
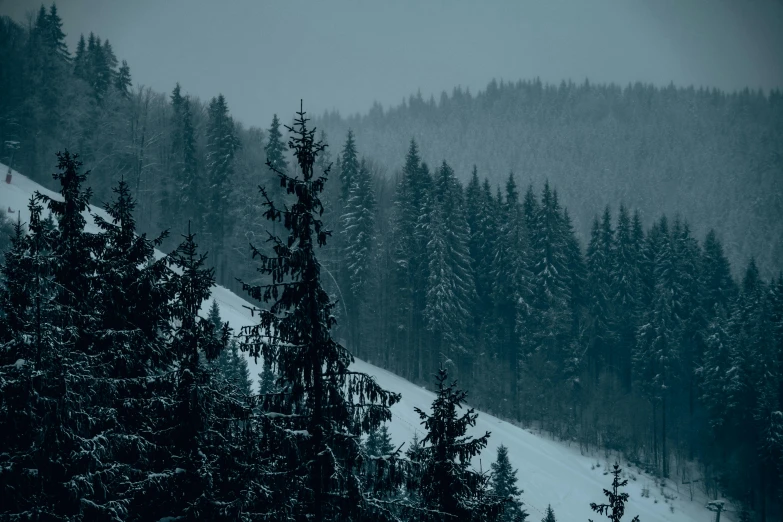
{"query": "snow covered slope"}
[(549, 472)]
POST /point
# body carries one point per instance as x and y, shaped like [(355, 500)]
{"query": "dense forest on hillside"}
[(715, 158), (575, 294)]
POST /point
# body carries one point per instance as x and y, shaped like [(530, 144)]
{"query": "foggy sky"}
[(264, 55)]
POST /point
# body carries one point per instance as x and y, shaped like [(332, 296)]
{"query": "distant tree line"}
[(714, 157)]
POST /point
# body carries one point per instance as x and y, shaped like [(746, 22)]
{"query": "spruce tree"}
[(714, 372), (615, 509), (457, 281), (601, 266), (321, 476), (717, 282), (275, 149), (656, 357), (379, 442), (69, 377), (480, 218), (349, 167), (200, 473), (131, 327), (190, 185), (55, 37), (412, 201), (511, 286), (14, 294), (447, 484), (123, 80), (100, 76), (26, 336), (626, 292), (549, 516), (503, 482), (170, 206), (358, 241), (222, 145), (80, 59), (267, 379)]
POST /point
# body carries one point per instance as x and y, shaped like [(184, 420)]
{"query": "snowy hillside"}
[(549, 472)]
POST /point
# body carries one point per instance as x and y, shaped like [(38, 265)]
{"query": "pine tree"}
[(410, 238), (73, 267), (170, 197), (222, 145), (480, 219), (275, 153), (615, 509), (131, 327), (123, 80), (322, 482), (100, 74), (447, 193), (214, 315), (577, 290), (626, 292), (717, 282), (511, 285), (503, 483), (190, 185), (441, 303), (65, 338), (349, 167), (80, 59), (601, 264), (199, 474), (656, 357), (714, 372), (267, 379), (448, 485), (55, 38), (358, 241), (230, 363), (379, 442), (530, 207), (14, 294), (111, 60), (549, 516), (26, 336)]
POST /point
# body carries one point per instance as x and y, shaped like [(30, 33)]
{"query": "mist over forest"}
[(318, 317), (713, 157)]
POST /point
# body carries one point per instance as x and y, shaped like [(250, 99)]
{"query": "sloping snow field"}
[(550, 472)]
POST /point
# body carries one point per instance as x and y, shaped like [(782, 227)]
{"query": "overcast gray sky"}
[(264, 55)]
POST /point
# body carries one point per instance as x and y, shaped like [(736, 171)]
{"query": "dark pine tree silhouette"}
[(615, 509), (549, 516), (447, 485), (379, 442), (324, 407), (504, 486)]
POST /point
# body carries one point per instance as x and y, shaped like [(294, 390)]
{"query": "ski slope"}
[(549, 472)]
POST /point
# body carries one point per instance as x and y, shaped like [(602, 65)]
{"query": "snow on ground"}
[(550, 472)]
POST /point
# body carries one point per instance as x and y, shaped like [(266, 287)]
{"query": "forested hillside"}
[(715, 158), (608, 271)]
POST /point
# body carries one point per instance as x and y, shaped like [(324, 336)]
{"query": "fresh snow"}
[(549, 472)]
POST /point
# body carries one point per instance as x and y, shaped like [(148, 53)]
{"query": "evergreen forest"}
[(584, 260)]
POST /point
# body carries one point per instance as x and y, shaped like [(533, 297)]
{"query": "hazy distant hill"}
[(713, 157)]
